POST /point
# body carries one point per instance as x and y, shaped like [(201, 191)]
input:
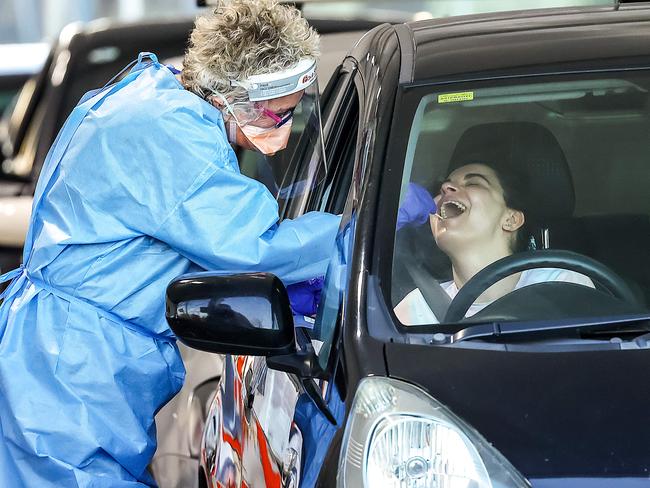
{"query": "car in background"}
[(546, 386), (84, 57), (19, 63)]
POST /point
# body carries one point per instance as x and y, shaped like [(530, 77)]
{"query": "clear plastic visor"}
[(290, 173)]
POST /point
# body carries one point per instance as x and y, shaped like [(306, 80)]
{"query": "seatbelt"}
[(433, 294)]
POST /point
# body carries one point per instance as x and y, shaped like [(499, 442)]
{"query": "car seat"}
[(533, 152)]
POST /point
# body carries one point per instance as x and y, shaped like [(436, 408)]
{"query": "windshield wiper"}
[(499, 329)]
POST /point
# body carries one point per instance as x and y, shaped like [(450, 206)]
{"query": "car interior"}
[(582, 145)]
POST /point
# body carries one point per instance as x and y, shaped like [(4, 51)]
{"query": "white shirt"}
[(414, 310)]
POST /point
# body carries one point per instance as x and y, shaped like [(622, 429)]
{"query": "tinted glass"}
[(552, 164), (292, 174)]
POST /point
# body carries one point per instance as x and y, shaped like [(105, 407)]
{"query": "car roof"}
[(440, 48)]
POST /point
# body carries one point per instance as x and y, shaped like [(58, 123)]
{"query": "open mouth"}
[(451, 209)]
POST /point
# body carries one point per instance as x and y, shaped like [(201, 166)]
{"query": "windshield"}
[(537, 189)]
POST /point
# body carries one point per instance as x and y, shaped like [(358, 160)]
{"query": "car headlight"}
[(399, 436)]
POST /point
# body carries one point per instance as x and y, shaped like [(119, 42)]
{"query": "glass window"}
[(495, 170), (291, 174)]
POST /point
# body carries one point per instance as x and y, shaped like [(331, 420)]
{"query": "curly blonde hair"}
[(241, 38)]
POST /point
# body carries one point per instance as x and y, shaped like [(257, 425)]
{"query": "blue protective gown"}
[(140, 186)]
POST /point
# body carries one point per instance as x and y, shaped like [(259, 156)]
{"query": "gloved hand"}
[(304, 298), (416, 207)]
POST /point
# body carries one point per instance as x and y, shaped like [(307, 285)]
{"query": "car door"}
[(269, 425)]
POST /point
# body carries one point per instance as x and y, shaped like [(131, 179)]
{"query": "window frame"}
[(342, 149)]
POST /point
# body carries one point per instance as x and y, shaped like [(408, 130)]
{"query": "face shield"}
[(285, 173)]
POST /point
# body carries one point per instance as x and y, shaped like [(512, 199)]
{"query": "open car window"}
[(293, 173), (330, 194), (570, 153)]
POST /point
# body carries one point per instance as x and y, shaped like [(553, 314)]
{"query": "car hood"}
[(553, 415)]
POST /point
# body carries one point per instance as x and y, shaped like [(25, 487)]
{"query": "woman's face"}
[(472, 212)]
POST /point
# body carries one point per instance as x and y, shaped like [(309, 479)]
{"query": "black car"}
[(543, 385)]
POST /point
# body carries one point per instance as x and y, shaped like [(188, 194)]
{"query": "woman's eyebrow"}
[(476, 175)]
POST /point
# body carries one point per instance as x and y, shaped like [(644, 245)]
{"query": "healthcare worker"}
[(140, 186)]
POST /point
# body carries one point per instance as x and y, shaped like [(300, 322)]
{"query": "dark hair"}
[(515, 194), (529, 163)]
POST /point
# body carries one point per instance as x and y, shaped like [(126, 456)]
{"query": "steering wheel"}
[(481, 281)]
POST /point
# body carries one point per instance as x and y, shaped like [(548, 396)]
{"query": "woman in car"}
[(480, 218)]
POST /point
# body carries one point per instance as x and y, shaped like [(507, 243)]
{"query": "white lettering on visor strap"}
[(280, 83)]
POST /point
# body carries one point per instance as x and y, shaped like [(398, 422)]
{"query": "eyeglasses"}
[(279, 119), (248, 112)]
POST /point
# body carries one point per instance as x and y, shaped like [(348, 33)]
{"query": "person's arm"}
[(568, 276), (229, 222)]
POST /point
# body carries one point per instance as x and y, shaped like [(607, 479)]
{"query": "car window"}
[(88, 61), (494, 169), (7, 97), (300, 177), (331, 196)]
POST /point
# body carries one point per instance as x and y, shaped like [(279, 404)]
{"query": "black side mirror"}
[(247, 314)]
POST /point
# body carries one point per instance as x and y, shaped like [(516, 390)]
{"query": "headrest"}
[(532, 151)]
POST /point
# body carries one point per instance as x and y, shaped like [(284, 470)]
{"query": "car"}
[(84, 57), (545, 386)]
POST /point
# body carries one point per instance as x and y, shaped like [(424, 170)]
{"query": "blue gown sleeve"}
[(229, 222)]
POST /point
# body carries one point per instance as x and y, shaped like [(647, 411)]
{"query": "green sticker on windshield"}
[(456, 97)]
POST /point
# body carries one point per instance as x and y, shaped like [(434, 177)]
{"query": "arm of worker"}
[(230, 222)]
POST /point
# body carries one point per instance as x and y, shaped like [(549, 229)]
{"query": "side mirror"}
[(245, 314)]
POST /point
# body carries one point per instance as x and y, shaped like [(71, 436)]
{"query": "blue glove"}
[(304, 298), (416, 207)]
